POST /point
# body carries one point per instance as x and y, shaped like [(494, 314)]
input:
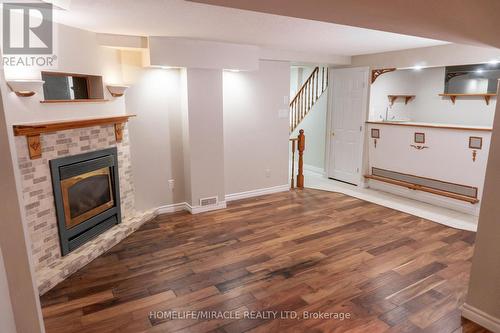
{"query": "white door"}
[(349, 98)]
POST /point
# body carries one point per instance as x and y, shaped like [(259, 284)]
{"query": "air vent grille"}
[(468, 191), (208, 201)]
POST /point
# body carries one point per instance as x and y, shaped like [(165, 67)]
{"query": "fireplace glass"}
[(86, 195)]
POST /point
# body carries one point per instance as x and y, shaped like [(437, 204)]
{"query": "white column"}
[(203, 136)]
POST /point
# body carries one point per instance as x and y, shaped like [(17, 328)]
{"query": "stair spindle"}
[(306, 99), (326, 76), (292, 180), (317, 74), (322, 79), (307, 96)]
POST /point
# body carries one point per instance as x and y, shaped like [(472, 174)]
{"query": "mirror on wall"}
[(472, 79), (71, 87)]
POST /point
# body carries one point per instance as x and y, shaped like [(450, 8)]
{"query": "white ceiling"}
[(179, 18)]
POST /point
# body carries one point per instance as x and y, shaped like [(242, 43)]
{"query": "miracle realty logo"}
[(28, 34)]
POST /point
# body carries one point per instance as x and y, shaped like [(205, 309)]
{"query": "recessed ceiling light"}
[(417, 67), (493, 62)]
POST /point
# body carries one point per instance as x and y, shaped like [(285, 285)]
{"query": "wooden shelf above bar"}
[(32, 131), (453, 97), (425, 125), (412, 186), (89, 100)]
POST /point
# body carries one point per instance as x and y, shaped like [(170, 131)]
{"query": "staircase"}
[(308, 94)]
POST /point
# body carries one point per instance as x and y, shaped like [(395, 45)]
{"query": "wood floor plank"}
[(305, 251), (61, 308)]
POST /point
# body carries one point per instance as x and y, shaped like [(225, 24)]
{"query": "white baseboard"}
[(255, 193), (187, 207), (481, 318), (202, 209), (170, 208), (315, 169), (220, 205)]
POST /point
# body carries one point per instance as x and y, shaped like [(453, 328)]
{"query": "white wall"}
[(393, 83), (427, 106), (443, 55), (298, 75), (255, 137), (78, 52), (206, 138), (156, 137), (191, 53), (298, 57), (186, 152), (15, 244), (448, 158), (314, 126), (7, 324), (482, 304)]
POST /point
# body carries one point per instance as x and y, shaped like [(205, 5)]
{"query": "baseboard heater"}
[(434, 186)]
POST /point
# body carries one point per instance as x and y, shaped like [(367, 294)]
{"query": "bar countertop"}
[(432, 125)]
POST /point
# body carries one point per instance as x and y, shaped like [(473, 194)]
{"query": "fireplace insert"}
[(87, 196)]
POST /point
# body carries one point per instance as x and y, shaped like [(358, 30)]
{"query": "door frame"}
[(363, 156)]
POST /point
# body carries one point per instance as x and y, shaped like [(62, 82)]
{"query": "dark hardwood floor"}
[(310, 251)]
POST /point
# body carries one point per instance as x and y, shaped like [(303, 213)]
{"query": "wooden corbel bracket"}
[(377, 72)]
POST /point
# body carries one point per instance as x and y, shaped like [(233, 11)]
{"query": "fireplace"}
[(87, 196)]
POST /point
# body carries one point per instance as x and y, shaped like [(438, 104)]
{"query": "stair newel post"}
[(292, 180), (301, 145)]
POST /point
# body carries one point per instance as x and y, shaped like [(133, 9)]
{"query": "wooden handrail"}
[(316, 69), (308, 94)]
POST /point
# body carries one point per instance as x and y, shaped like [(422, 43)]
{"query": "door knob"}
[(333, 133)]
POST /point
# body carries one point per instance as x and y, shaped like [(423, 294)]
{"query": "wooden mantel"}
[(32, 131)]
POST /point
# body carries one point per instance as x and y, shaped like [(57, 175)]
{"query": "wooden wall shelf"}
[(426, 125), (453, 97), (90, 100), (32, 131), (393, 98)]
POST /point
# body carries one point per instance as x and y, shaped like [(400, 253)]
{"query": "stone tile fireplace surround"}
[(38, 200)]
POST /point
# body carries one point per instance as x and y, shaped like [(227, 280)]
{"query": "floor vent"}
[(208, 201), (434, 186)]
